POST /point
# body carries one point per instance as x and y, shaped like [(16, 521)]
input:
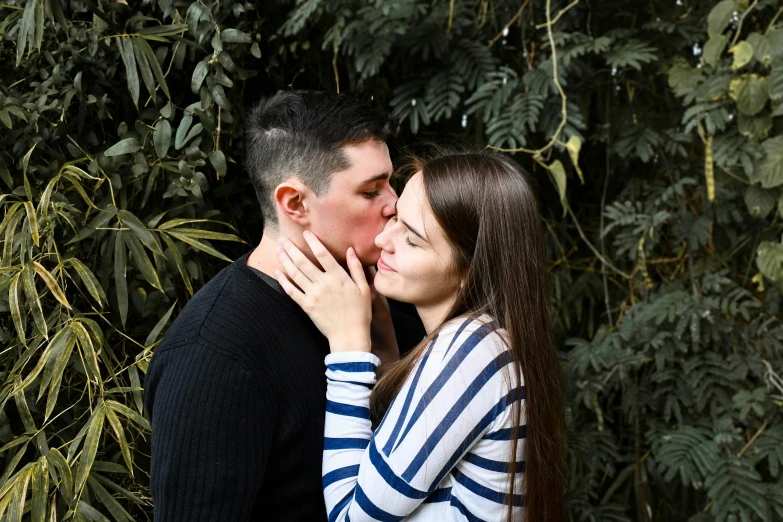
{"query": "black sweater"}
[(236, 395)]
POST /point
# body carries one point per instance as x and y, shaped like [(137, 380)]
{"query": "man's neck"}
[(264, 257)]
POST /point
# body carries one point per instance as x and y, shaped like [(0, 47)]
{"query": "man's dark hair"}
[(301, 133)]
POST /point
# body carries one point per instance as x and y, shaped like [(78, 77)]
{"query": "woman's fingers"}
[(301, 280), (292, 291), (357, 270), (300, 260), (320, 252)]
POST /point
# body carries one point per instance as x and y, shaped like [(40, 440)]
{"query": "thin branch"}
[(774, 19), (510, 23), (742, 19), (595, 251), (451, 16), (561, 13)]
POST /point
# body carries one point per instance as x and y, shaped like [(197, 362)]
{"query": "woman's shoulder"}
[(467, 333)]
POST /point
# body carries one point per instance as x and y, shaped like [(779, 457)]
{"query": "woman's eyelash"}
[(408, 241)]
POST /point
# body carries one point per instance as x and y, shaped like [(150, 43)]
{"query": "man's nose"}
[(389, 208)]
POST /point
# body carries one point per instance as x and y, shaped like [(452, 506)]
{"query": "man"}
[(236, 390)]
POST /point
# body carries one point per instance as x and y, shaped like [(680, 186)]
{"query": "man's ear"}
[(291, 201)]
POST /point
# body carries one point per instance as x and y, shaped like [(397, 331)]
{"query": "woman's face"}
[(416, 259)]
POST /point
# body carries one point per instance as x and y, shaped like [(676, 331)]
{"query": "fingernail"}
[(307, 233), (351, 252)]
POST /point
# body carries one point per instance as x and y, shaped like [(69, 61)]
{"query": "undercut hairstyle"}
[(302, 134)]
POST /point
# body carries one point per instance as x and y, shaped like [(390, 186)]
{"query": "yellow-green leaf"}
[(40, 487), (120, 283), (574, 145), (89, 280), (13, 303), (51, 283), (557, 171), (743, 52), (119, 434), (91, 441), (177, 255), (57, 375), (129, 413), (198, 245), (57, 460), (89, 354), (142, 261), (32, 221)]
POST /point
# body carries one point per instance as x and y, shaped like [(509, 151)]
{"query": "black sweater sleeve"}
[(212, 429)]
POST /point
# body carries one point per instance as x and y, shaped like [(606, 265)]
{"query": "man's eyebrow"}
[(410, 227), (380, 177)]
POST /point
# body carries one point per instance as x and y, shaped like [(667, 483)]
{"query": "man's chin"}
[(369, 258)]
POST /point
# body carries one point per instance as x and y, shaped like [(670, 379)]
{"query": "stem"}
[(510, 23), (742, 19)]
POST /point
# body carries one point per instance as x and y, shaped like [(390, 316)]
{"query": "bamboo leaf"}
[(5, 174), (142, 261), (10, 467), (89, 354), (40, 489), (13, 303), (130, 414), (177, 255), (164, 30), (65, 485), (90, 512), (32, 221), (51, 282), (89, 280), (122, 491), (152, 60), (144, 66), (141, 231), (25, 163), (126, 52), (198, 245), (91, 441), (57, 12), (183, 221), (16, 508), (99, 221), (119, 434), (33, 301), (133, 373), (205, 234), (58, 368), (108, 501), (120, 283), (25, 31), (53, 350), (158, 327)]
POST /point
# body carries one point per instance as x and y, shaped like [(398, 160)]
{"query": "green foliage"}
[(654, 132)]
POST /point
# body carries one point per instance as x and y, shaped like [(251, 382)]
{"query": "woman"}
[(469, 422)]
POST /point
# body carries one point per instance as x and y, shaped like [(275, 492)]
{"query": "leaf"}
[(141, 231), (743, 52), (162, 138), (126, 146), (32, 221), (767, 48), (714, 48), (5, 174), (51, 282), (760, 201), (130, 414), (557, 171), (56, 375), (220, 97), (25, 31), (33, 302), (755, 127), (769, 171), (120, 283), (182, 130), (119, 434), (195, 131), (40, 490), (776, 81), (574, 145), (89, 280), (91, 441), (154, 64), (128, 58), (25, 163), (108, 501), (99, 221), (769, 259), (199, 73), (720, 16), (57, 460), (206, 234), (89, 355), (153, 335), (234, 36), (198, 245), (142, 261), (175, 253), (751, 93), (13, 303), (133, 372), (144, 66), (90, 512)]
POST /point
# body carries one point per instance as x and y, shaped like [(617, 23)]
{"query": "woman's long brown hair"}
[(486, 206)]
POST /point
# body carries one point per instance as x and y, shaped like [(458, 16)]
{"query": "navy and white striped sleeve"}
[(452, 398)]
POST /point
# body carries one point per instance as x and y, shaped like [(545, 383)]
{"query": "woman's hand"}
[(338, 303)]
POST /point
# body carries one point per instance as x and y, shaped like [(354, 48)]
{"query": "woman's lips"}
[(383, 266)]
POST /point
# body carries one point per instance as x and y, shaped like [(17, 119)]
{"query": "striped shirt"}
[(443, 450)]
